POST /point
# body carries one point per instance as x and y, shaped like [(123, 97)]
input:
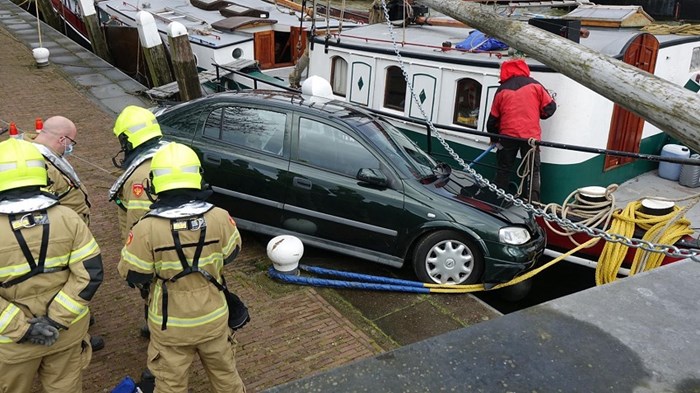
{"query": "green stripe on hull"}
[(558, 181)]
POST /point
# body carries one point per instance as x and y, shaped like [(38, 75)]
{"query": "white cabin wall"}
[(582, 118)]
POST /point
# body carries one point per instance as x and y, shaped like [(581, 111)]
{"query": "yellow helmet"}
[(21, 165), (137, 124), (175, 166)]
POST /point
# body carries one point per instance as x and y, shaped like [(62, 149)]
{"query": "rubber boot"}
[(97, 343), (145, 331), (148, 381)]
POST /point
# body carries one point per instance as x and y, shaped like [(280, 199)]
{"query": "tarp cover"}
[(478, 41)]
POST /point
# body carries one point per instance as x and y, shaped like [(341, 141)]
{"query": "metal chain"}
[(668, 250)]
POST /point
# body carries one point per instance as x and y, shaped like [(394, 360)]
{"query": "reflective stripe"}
[(23, 267), (161, 171), (232, 241), (137, 204), (7, 315), (78, 255), (214, 258), (8, 166), (138, 127), (83, 252), (136, 261), (35, 163), (5, 340), (81, 316), (69, 304), (189, 322)]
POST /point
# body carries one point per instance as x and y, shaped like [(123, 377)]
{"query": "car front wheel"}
[(447, 257)]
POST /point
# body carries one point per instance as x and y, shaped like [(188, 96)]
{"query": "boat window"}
[(339, 75), (467, 103), (394, 89), (253, 128), (695, 60), (328, 147)]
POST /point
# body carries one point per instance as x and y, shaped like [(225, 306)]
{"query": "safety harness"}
[(36, 267), (192, 224)]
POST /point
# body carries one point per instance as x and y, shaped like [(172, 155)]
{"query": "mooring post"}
[(92, 24), (184, 65), (153, 49)]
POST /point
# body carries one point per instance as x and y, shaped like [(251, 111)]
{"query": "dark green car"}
[(340, 178)]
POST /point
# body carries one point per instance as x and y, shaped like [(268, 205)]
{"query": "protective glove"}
[(41, 332)]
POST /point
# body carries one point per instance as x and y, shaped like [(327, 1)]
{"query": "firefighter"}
[(50, 270), (55, 143), (139, 135), (179, 249)]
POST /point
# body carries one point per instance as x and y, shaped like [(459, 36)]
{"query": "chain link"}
[(567, 224)]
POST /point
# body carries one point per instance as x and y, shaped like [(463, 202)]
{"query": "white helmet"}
[(285, 251)]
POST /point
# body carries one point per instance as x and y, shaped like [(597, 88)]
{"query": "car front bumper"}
[(511, 261)]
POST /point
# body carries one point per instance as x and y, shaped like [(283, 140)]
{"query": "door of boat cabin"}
[(279, 49), (625, 127)]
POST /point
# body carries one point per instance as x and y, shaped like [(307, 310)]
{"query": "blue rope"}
[(360, 277), (323, 282)]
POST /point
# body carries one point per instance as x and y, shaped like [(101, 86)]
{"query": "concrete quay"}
[(295, 332)]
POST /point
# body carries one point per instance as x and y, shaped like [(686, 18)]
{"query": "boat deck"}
[(650, 185)]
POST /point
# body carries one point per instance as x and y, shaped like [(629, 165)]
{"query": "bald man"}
[(55, 142)]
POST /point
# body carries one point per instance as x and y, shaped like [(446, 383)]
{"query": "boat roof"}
[(199, 22), (425, 41)]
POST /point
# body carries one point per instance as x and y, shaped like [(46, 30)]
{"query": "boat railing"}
[(648, 157)]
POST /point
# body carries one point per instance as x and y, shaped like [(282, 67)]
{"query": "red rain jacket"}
[(519, 104)]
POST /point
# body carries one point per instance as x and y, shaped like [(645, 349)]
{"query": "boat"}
[(220, 31), (455, 87)]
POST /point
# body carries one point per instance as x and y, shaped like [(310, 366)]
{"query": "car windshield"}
[(410, 159)]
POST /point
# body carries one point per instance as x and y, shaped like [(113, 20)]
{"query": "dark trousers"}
[(505, 158)]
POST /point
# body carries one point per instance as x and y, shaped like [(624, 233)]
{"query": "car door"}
[(325, 200), (244, 150)]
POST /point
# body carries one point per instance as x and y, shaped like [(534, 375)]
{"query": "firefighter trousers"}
[(170, 365), (59, 372)]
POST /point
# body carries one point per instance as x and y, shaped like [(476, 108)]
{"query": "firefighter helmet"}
[(175, 166), (21, 165), (138, 125)]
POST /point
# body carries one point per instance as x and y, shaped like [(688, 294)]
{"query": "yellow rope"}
[(445, 288), (684, 29), (666, 229)]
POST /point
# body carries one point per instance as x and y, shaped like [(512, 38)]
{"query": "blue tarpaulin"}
[(478, 41)]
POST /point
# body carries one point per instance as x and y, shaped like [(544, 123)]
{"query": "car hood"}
[(461, 187)]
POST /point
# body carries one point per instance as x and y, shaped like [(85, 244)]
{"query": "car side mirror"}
[(372, 176)]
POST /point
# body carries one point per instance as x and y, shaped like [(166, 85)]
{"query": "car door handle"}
[(302, 183), (212, 159)]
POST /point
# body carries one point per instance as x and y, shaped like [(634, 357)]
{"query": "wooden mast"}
[(668, 106)]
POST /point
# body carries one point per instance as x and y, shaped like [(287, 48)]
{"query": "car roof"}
[(342, 110)]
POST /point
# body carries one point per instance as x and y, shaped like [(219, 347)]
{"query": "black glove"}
[(41, 332)]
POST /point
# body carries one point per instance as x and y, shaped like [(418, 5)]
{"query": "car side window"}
[(327, 147), (253, 128), (182, 124)]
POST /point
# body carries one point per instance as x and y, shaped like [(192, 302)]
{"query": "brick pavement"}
[(294, 332)]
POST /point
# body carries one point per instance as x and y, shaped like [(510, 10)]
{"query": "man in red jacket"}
[(519, 104)]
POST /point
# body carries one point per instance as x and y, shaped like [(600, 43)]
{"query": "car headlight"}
[(513, 235)]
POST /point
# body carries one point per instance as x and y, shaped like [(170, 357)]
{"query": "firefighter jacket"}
[(65, 184), (51, 266), (185, 308), (519, 104), (129, 191)]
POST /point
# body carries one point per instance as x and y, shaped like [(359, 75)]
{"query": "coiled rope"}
[(665, 229), (586, 212)]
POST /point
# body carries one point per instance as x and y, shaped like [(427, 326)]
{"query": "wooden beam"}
[(95, 35), (666, 105)]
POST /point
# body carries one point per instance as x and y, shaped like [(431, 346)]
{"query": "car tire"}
[(448, 257)]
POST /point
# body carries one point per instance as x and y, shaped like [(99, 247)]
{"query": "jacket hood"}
[(512, 68)]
